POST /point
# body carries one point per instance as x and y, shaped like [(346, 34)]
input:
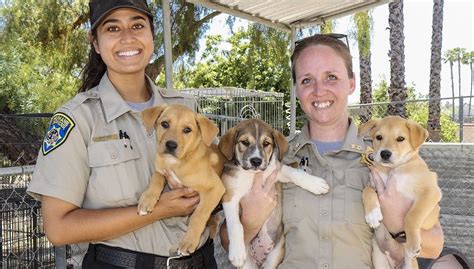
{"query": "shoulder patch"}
[(292, 136), (59, 128)]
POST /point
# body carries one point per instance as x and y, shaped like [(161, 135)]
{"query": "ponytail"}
[(94, 70)]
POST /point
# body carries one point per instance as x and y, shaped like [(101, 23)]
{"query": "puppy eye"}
[(400, 138), (245, 143), (165, 124), (187, 130), (265, 144), (378, 137)]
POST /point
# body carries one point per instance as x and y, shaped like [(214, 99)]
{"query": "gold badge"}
[(368, 157)]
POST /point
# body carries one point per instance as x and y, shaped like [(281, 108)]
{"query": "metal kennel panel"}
[(227, 106), (23, 243)]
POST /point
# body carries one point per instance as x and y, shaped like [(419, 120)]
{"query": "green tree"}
[(417, 111), (44, 47), (327, 27), (256, 58), (188, 24), (433, 124)]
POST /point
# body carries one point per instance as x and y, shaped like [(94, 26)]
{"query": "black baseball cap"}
[(99, 9)]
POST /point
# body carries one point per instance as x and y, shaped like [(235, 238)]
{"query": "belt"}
[(132, 259), (400, 237)]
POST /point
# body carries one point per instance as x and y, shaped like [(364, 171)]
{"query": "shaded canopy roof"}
[(285, 15), (288, 14)]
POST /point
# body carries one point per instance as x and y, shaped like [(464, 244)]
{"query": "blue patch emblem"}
[(58, 130)]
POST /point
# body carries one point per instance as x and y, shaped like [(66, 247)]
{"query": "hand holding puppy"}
[(393, 204), (177, 202), (258, 204)]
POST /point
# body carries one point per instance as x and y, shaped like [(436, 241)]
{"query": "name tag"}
[(105, 138)]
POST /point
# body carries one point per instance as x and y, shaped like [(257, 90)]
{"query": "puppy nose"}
[(171, 145), (385, 154), (256, 162)]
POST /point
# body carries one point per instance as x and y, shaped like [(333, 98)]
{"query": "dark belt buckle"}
[(169, 259)]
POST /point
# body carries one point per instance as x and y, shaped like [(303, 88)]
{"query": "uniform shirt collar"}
[(351, 142), (113, 104)]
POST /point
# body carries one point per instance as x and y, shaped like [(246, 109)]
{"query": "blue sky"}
[(457, 32)]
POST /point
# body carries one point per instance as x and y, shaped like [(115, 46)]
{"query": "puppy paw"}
[(146, 203), (409, 262), (318, 186), (188, 244), (374, 218), (237, 253), (411, 252)]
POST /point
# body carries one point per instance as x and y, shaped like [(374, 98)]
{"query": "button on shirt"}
[(329, 230), (95, 169)]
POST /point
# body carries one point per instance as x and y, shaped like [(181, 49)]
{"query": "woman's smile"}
[(129, 53), (323, 104)]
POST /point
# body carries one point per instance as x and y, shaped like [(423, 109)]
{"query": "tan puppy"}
[(253, 146), (396, 143), (185, 151)]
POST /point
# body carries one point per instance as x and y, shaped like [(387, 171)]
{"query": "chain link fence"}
[(454, 164), (22, 240), (23, 243), (456, 122)]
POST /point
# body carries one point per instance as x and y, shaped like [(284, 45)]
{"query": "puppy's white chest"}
[(403, 184)]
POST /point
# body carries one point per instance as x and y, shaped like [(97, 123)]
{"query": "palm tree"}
[(397, 90), (363, 21), (450, 56), (455, 55), (434, 126), (460, 52), (470, 59)]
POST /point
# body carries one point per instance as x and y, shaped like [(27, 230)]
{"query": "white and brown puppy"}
[(396, 143), (185, 151), (253, 146)]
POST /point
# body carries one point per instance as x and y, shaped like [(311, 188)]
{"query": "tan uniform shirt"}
[(93, 168), (327, 231)]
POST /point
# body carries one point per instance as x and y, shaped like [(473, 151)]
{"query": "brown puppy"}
[(250, 147), (185, 151), (396, 143)]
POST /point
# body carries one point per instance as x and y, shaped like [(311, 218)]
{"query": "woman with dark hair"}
[(97, 156)]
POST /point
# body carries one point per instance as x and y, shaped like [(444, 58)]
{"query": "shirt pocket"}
[(114, 178), (354, 184), (293, 204)]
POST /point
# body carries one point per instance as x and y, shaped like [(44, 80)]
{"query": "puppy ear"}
[(208, 129), (281, 144), (150, 115), (227, 144), (418, 134), (366, 128)]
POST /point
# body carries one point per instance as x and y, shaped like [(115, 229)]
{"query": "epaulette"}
[(81, 98), (291, 137), (174, 93)]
